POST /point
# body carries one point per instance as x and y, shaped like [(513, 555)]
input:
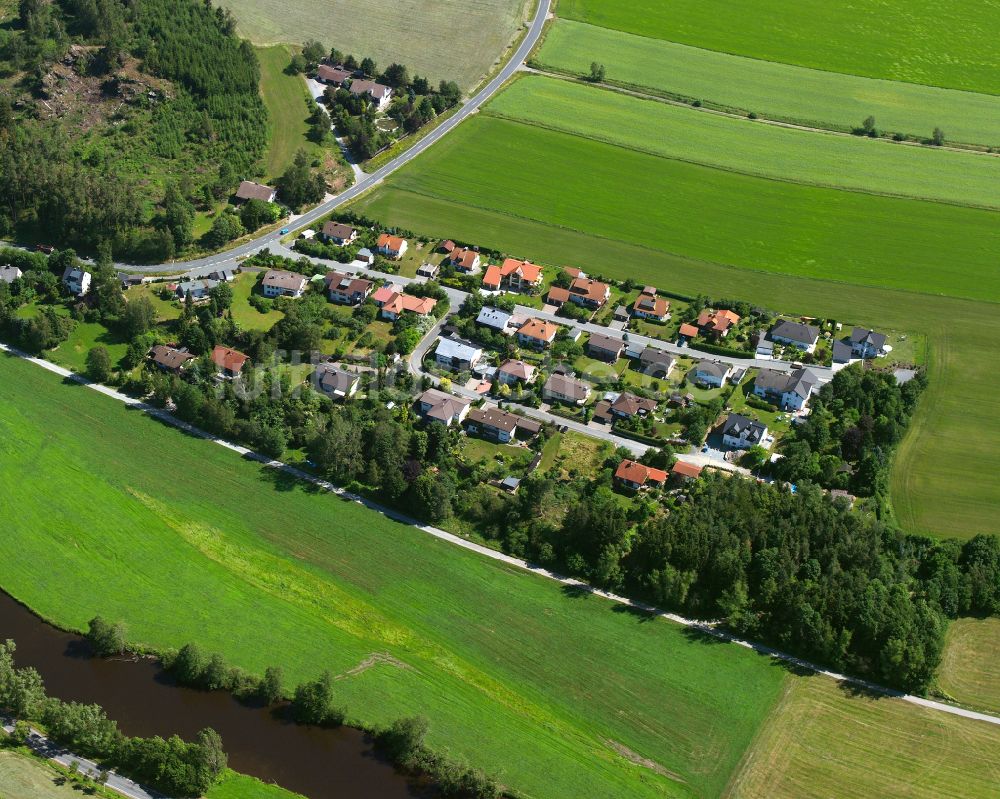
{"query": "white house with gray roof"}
[(458, 355), (712, 373), (741, 432), (797, 334), (76, 280), (788, 390), (9, 274), (867, 343), (494, 318)]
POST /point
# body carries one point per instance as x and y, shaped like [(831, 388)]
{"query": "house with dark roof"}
[(605, 348), (843, 352), (788, 390), (335, 383), (867, 343), (378, 93), (439, 406), (170, 359), (656, 363), (249, 190), (332, 76), (712, 373), (197, 289), (741, 432), (795, 334), (345, 289), (499, 425), (77, 280), (565, 388), (338, 233), (637, 476)]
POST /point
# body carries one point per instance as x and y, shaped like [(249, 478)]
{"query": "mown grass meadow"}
[(970, 669), (107, 511), (772, 90)]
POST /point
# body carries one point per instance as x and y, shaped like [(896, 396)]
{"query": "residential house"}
[(222, 276), (656, 363), (512, 371), (332, 76), (170, 359), (465, 260), (9, 274), (565, 388), (378, 93), (712, 373), (278, 283), (648, 305), (249, 190), (796, 334), (458, 355), (439, 406), (76, 280), (741, 432), (537, 333), (345, 289), (605, 348), (716, 324), (637, 476), (429, 271), (516, 275), (393, 247), (628, 405), (124, 278), (685, 472), (335, 383), (493, 318), (229, 361), (843, 352), (339, 233), (498, 425), (396, 304), (867, 343), (589, 293), (788, 390), (198, 290)]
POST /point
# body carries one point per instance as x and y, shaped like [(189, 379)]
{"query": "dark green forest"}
[(119, 120)]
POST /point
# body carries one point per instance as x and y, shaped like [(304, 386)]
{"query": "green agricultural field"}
[(240, 786), (554, 693), (459, 41), (917, 41), (822, 740), (772, 90), (970, 669), (756, 148), (710, 214), (942, 480)]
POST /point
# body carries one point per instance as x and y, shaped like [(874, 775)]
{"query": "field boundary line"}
[(706, 628)]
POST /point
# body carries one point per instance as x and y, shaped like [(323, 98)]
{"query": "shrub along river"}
[(145, 701)]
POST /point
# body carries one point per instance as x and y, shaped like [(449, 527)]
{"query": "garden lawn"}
[(917, 41), (775, 91), (110, 512), (823, 740), (943, 474), (970, 669), (459, 40), (240, 786), (245, 314), (707, 213), (755, 148)]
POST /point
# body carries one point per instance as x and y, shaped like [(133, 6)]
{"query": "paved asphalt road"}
[(705, 627), (468, 108)]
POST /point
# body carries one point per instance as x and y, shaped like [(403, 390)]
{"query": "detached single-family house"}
[(605, 348), (867, 343), (198, 290), (335, 383), (278, 283), (636, 476), (685, 472), (512, 371), (796, 334), (393, 247), (76, 280), (332, 76), (124, 278), (493, 318), (589, 293), (9, 274), (515, 275), (229, 361), (170, 359), (464, 260), (565, 388), (439, 406), (656, 363), (338, 233), (537, 333), (716, 324), (788, 390), (378, 93), (740, 432), (346, 289), (249, 190), (454, 354), (397, 304), (712, 373), (498, 425), (628, 405), (648, 305)]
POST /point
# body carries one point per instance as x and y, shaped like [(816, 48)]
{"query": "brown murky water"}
[(144, 701)]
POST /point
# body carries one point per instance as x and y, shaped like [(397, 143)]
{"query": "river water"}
[(145, 701)]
